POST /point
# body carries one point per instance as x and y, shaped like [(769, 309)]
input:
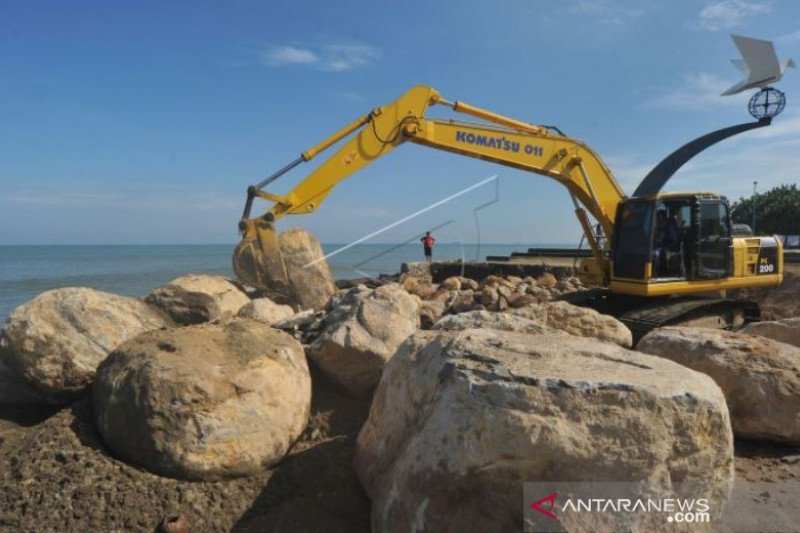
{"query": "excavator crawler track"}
[(642, 315)]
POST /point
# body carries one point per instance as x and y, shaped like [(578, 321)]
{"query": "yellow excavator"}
[(651, 246)]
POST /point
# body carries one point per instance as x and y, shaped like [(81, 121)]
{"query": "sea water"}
[(26, 271)]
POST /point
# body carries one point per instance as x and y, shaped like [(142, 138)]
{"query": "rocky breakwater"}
[(216, 402), (54, 343), (531, 298), (578, 321), (489, 320), (193, 299), (786, 330), (493, 293), (240, 412), (204, 402), (461, 419), (265, 310), (759, 376), (361, 333)]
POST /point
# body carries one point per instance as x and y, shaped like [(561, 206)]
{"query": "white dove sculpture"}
[(759, 64)]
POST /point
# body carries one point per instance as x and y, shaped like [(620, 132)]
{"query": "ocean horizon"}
[(135, 269)]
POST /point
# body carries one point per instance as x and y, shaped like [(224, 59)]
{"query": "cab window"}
[(631, 246), (633, 235), (714, 220)]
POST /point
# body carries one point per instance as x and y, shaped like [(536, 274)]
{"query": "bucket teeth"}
[(257, 259)]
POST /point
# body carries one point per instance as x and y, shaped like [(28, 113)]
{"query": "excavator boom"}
[(503, 140)]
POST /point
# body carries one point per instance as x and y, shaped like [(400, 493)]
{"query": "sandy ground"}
[(56, 475), (313, 489), (766, 462)]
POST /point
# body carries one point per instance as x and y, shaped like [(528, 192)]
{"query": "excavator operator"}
[(668, 245)]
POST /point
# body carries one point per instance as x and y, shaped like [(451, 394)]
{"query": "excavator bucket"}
[(257, 259)]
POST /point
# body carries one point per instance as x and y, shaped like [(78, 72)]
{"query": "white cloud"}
[(697, 91), (726, 14), (289, 55), (338, 57), (148, 201), (608, 12), (330, 57)]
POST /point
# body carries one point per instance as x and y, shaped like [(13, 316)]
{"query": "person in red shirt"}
[(427, 245)]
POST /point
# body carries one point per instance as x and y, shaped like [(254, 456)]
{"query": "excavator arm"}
[(506, 141)]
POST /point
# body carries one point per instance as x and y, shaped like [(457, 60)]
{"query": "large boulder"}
[(204, 402), (193, 299), (786, 330), (578, 321), (462, 301), (361, 333), (303, 326), (15, 391), (266, 311), (430, 311), (462, 419), (489, 320), (55, 341), (498, 294), (309, 274), (421, 287), (546, 280), (760, 377), (452, 283), (300, 320)]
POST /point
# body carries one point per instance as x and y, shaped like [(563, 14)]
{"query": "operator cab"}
[(673, 238)]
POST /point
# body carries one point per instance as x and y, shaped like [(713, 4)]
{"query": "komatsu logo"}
[(499, 142)]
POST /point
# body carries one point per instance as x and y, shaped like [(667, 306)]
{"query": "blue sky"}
[(143, 122)]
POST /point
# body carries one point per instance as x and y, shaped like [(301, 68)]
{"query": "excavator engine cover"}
[(257, 259)]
